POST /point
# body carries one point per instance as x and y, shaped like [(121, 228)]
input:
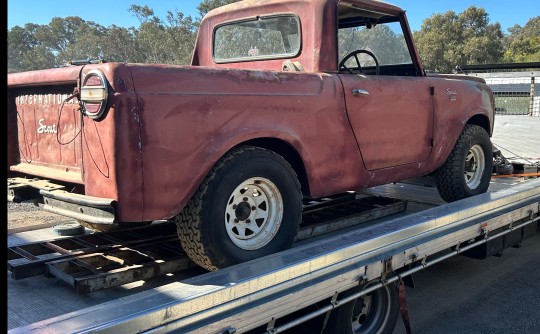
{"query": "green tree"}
[(207, 5), (523, 43), (71, 38), (449, 39), (85, 41), (119, 44), (170, 41), (26, 52)]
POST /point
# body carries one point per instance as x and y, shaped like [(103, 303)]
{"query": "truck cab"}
[(315, 35)]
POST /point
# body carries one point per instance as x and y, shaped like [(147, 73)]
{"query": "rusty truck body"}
[(284, 100)]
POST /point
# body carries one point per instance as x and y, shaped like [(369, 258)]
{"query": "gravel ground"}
[(21, 215)]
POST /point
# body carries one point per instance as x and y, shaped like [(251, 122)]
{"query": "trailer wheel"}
[(467, 170), (249, 206), (376, 312)]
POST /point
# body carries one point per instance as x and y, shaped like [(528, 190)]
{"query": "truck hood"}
[(457, 77)]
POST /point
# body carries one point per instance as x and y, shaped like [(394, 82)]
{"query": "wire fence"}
[(516, 87)]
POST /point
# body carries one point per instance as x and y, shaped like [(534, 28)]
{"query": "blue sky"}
[(107, 12)]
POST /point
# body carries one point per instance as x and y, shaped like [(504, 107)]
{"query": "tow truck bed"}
[(249, 295)]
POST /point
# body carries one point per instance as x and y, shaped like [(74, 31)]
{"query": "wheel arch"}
[(276, 145), (288, 152), (482, 121)]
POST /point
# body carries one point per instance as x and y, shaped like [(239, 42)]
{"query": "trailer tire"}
[(376, 312), (248, 206), (467, 170)]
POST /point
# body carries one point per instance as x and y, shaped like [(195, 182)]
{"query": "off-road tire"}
[(379, 316), (450, 177), (201, 225)]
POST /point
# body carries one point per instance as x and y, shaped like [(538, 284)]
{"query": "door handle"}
[(359, 91)]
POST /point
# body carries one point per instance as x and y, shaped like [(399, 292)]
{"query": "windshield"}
[(385, 41)]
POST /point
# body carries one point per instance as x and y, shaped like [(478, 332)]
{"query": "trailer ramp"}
[(30, 259)]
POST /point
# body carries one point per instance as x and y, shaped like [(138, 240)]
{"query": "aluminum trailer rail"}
[(261, 293)]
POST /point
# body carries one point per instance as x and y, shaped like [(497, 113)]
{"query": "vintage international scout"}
[(284, 100)]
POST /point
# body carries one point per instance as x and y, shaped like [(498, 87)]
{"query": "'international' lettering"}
[(44, 99)]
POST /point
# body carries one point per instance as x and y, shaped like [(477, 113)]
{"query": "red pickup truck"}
[(284, 100)]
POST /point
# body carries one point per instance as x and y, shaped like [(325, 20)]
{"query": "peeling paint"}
[(263, 75)]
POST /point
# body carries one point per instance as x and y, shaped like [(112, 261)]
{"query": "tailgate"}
[(48, 132)]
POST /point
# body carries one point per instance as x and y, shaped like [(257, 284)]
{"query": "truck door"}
[(391, 116), (388, 99)]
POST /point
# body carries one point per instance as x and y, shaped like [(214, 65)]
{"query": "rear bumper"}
[(86, 208), (54, 198)]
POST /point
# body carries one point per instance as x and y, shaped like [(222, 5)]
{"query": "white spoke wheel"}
[(248, 206), (254, 213), (474, 166), (467, 170)]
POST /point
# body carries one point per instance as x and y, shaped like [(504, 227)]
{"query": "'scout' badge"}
[(43, 128), (452, 94)]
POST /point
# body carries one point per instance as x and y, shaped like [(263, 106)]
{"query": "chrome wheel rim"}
[(253, 214), (474, 166)]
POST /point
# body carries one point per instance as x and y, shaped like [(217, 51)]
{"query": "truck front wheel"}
[(467, 170), (249, 206)]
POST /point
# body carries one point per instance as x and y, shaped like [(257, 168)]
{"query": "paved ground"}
[(518, 137), (498, 295)]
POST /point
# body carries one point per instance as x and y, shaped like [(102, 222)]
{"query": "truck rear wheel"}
[(467, 170), (375, 312), (249, 206)]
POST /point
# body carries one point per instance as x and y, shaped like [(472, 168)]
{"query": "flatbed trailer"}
[(308, 285)]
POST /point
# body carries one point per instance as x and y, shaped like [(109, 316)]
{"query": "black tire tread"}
[(339, 320), (188, 220), (450, 187)]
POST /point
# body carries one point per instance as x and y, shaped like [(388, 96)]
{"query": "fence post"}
[(531, 104)]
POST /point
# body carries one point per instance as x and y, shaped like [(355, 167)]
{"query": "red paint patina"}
[(166, 126)]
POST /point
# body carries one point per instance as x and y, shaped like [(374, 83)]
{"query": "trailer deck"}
[(97, 261), (308, 261)]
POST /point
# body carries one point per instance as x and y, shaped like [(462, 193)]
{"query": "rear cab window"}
[(257, 38)]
